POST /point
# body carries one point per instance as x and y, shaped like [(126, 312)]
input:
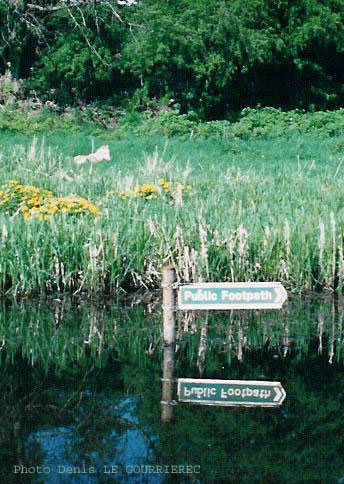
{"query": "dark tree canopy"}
[(212, 57)]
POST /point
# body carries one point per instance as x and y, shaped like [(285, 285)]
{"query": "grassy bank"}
[(233, 208)]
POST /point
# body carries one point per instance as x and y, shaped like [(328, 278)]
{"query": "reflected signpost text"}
[(215, 295)]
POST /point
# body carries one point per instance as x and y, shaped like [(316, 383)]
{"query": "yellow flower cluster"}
[(42, 204), (13, 195), (149, 191), (165, 185), (146, 191)]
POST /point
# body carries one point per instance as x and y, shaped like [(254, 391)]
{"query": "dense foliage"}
[(211, 57)]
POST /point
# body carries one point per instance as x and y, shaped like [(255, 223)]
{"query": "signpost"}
[(216, 295), (232, 295), (227, 393)]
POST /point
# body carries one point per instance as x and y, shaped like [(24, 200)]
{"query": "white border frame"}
[(223, 403), (283, 296)]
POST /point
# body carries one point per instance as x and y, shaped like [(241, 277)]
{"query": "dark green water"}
[(80, 394)]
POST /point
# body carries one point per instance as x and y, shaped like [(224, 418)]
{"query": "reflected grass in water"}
[(73, 334), (85, 381), (63, 333)]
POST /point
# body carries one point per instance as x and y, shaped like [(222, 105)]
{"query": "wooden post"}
[(169, 304), (169, 335)]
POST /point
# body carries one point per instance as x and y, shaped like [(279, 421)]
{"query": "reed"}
[(270, 210)]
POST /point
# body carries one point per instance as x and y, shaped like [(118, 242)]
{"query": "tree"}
[(75, 45), (25, 31), (212, 56), (218, 56)]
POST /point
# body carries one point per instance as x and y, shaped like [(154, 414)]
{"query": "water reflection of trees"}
[(300, 442), (89, 407), (73, 365)]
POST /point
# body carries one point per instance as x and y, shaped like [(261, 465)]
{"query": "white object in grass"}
[(102, 153)]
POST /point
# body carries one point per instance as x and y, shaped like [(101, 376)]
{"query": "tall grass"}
[(266, 210)]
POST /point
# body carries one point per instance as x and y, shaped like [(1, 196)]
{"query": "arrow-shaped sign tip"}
[(281, 294), (280, 394)]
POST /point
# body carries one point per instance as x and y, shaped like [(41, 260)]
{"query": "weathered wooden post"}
[(169, 334)]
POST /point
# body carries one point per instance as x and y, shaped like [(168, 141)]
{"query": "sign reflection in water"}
[(244, 393), (104, 408)]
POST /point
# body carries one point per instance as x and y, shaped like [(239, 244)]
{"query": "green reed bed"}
[(235, 210)]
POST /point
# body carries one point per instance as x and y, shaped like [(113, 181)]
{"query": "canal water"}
[(80, 392)]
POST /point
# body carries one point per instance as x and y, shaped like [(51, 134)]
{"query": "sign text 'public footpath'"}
[(232, 295), (231, 392)]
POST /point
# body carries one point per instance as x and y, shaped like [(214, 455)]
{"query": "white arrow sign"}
[(231, 393), (232, 295), (280, 394)]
